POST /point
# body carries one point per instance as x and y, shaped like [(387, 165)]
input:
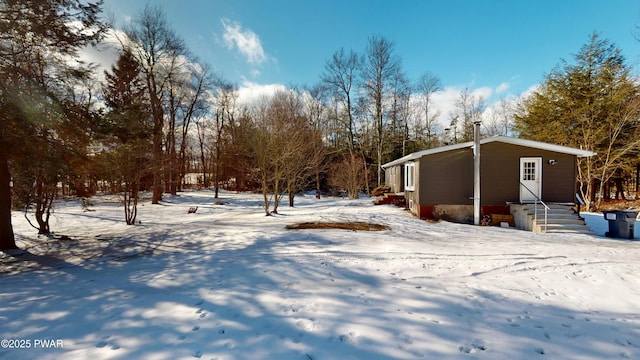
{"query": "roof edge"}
[(499, 138)]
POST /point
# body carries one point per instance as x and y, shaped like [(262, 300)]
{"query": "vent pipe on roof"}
[(476, 172)]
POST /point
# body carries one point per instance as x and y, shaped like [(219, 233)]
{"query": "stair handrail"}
[(535, 207)]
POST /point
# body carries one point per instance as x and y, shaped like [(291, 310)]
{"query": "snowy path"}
[(230, 283)]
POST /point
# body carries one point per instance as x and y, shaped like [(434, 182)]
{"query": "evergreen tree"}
[(37, 39), (129, 126), (592, 104)]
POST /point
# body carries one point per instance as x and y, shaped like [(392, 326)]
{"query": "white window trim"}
[(410, 176)]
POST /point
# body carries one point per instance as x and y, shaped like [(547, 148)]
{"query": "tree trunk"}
[(219, 127), (158, 123), (276, 195), (366, 176), (620, 189), (638, 181), (44, 200), (172, 177), (131, 202), (379, 140), (216, 172), (606, 191), (317, 182), (292, 195), (592, 195), (7, 239), (265, 195), (205, 178)]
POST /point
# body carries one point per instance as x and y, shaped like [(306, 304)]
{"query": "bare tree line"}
[(162, 116)]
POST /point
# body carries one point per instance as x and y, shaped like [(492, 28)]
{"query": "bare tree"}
[(284, 146), (620, 134), (294, 144), (157, 48), (225, 102), (316, 113), (347, 175), (500, 118), (380, 66), (202, 124), (469, 108), (340, 77), (427, 86), (399, 113), (186, 100), (260, 144)]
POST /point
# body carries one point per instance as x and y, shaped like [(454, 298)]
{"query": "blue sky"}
[(503, 47)]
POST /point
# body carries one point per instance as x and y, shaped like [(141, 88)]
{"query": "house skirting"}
[(457, 213)]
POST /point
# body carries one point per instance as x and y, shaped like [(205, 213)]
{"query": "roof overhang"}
[(504, 139)]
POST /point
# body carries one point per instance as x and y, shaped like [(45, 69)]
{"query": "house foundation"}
[(457, 213)]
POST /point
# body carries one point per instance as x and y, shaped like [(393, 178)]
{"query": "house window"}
[(529, 171), (409, 176)]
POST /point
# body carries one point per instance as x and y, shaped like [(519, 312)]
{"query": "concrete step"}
[(565, 226), (557, 216), (586, 231), (553, 214), (562, 219), (551, 206)]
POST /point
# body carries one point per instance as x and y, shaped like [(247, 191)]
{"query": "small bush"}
[(381, 190)]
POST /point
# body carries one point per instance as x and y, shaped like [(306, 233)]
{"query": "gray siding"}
[(394, 178), (500, 170), (447, 177)]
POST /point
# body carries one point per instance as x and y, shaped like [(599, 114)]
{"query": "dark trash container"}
[(620, 223)]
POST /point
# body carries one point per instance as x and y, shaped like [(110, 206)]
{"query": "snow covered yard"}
[(229, 283)]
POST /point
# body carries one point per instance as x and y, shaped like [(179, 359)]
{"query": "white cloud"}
[(105, 54), (444, 101), (482, 92), (250, 92), (245, 40), (502, 88), (532, 89)]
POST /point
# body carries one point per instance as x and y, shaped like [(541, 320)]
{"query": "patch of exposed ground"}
[(362, 226)]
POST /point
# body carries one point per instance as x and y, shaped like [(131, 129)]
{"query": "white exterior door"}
[(530, 178)]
